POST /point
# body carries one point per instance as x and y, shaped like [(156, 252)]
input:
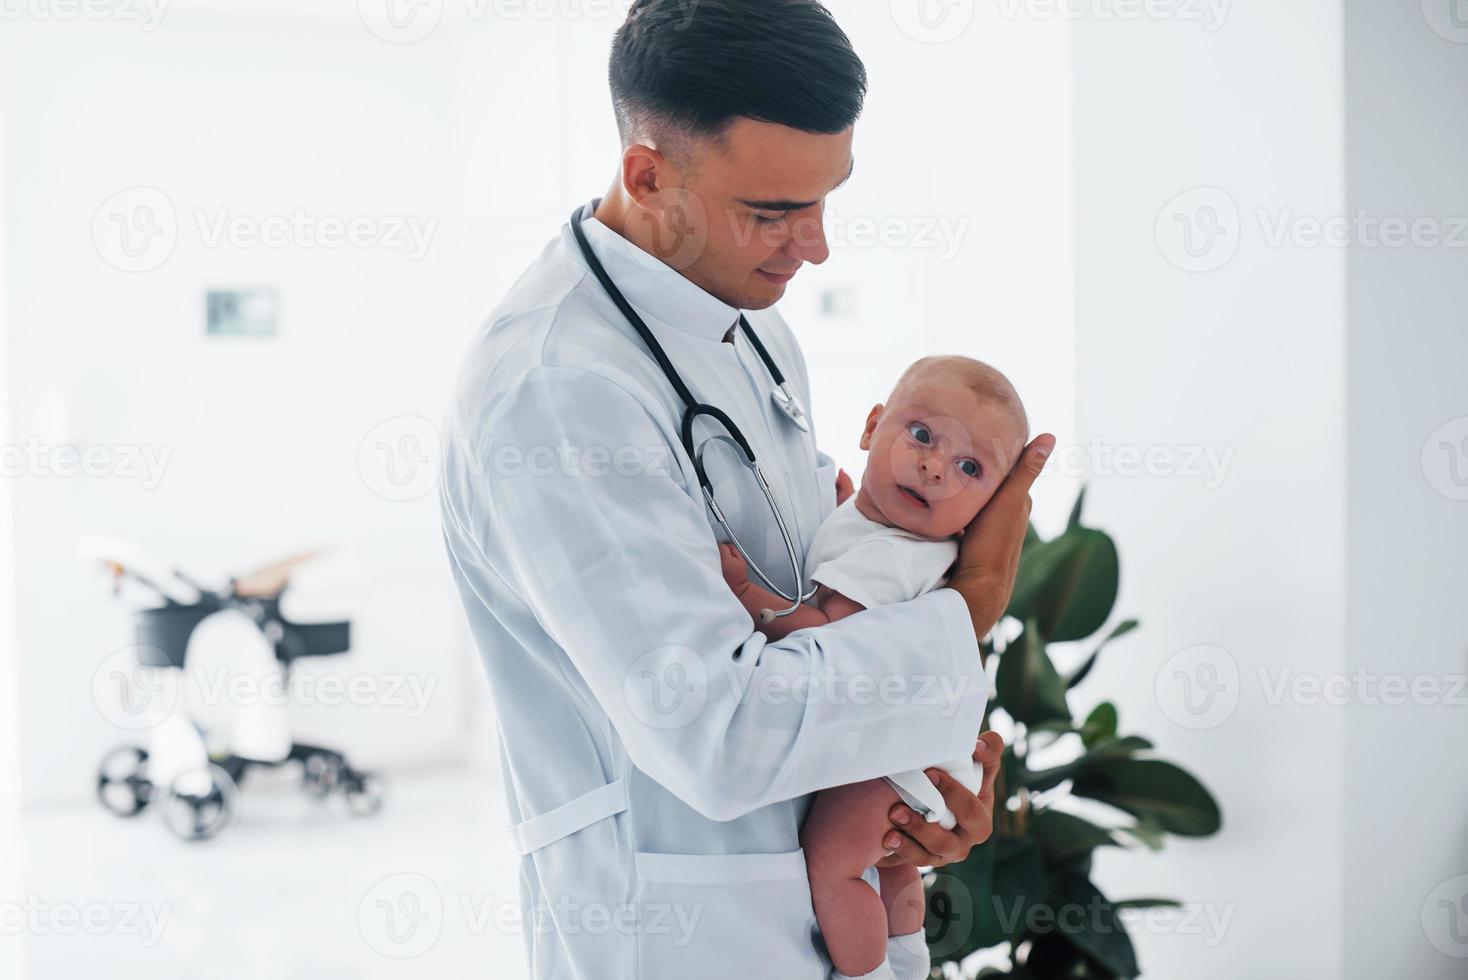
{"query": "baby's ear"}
[(872, 417)]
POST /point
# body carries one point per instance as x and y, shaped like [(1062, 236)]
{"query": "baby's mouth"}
[(914, 495)]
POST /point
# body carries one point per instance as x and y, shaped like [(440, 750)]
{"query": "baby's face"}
[(936, 454)]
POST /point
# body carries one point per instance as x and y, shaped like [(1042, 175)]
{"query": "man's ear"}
[(645, 172), (872, 417)]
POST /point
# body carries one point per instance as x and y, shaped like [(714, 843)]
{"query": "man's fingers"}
[(1031, 464), (989, 753)]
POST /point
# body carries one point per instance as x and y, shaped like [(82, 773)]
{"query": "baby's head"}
[(940, 447)]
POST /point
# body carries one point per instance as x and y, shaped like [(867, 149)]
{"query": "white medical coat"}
[(658, 753)]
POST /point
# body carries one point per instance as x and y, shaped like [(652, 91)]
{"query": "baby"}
[(937, 451)]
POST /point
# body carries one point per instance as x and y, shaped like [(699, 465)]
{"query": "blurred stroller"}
[(196, 791)]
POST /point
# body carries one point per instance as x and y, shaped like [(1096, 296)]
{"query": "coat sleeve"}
[(583, 488)]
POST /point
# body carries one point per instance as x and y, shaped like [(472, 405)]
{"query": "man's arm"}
[(620, 566), (827, 607)]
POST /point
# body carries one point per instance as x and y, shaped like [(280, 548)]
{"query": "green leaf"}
[(1100, 724), (984, 900), (1067, 584), (1027, 685), (1151, 788), (1088, 920), (1075, 510), (1065, 836), (1147, 832), (1079, 674)]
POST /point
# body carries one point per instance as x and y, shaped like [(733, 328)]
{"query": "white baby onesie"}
[(875, 565)]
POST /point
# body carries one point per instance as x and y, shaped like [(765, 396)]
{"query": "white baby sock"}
[(883, 972), (909, 956)]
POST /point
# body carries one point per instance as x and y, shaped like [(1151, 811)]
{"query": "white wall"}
[(1248, 359), (260, 115), (1407, 154), (12, 946)]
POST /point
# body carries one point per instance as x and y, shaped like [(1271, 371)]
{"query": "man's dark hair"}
[(697, 65)]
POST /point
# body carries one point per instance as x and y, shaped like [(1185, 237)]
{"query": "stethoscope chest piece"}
[(790, 405)]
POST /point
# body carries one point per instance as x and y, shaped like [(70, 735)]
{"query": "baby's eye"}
[(969, 467), (920, 432)]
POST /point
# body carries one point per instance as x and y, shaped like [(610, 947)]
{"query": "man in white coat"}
[(659, 754)]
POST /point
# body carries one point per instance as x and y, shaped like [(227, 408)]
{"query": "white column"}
[(1406, 831)]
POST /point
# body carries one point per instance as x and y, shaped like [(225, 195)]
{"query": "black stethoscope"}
[(782, 396)]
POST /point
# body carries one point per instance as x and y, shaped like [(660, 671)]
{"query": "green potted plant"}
[(1029, 886)]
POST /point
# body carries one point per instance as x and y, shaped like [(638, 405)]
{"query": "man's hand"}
[(915, 841), (734, 568), (988, 555)]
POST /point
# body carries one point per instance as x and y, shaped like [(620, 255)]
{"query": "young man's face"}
[(761, 192)]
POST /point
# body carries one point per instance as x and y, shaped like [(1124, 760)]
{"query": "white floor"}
[(295, 888)]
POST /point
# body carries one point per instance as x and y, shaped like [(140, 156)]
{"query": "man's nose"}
[(808, 237)]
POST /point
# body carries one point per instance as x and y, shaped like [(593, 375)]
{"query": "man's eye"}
[(969, 467), (920, 432), (764, 219)]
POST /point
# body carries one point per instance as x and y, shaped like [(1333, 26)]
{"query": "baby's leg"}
[(842, 837)]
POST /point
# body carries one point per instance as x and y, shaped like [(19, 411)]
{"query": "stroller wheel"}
[(320, 775), (200, 803), (364, 794), (122, 784)]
